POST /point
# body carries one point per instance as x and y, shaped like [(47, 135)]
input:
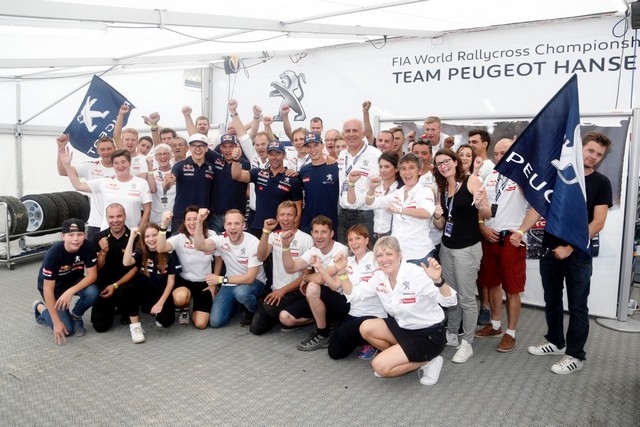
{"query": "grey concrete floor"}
[(183, 376)]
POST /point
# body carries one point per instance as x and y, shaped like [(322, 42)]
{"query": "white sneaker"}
[(545, 349), (430, 372), (567, 365), (452, 340), (159, 325), (137, 334), (464, 352)]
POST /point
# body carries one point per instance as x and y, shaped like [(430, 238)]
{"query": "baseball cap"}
[(197, 137), (312, 137), (275, 146), (227, 137), (72, 225)]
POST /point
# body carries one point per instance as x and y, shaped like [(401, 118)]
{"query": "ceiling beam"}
[(51, 10)]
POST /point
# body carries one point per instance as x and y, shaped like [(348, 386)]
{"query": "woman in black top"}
[(460, 196)]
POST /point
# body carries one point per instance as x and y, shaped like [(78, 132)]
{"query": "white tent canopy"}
[(42, 37)]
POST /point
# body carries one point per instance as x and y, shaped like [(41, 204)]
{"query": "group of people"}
[(382, 243)]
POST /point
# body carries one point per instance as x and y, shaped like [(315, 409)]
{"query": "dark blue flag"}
[(546, 161), (96, 116)]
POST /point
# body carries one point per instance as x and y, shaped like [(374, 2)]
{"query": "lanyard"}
[(449, 204), (355, 159), (500, 188)]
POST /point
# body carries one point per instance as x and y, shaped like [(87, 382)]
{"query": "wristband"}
[(439, 284), (370, 197), (521, 232), (343, 277), (150, 173), (286, 249), (266, 231), (258, 117), (154, 128), (234, 114), (115, 285), (351, 183), (162, 231), (481, 221), (219, 280)]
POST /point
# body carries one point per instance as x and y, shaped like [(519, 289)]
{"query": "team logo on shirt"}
[(329, 178), (286, 180), (187, 168), (243, 252), (307, 179), (405, 286), (365, 163), (77, 259), (284, 188), (381, 288), (113, 186)]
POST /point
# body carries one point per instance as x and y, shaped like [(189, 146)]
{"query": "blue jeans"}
[(575, 271), (87, 297), (350, 217), (227, 298), (216, 223)]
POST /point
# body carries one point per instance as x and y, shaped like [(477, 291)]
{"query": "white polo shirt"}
[(359, 274), (95, 170), (195, 264), (366, 162), (238, 258), (301, 243)]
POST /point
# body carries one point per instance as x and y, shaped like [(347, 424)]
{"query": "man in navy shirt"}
[(194, 179), (61, 277), (321, 184), (226, 193), (272, 184)]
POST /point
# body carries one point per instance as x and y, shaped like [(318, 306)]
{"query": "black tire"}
[(18, 216), (72, 203), (61, 207), (82, 204), (42, 212)]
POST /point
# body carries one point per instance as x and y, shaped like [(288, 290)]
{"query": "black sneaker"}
[(246, 320), (36, 313), (314, 342)]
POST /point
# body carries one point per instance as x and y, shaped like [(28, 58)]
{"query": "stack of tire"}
[(36, 213)]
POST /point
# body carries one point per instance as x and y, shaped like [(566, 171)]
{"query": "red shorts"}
[(506, 265)]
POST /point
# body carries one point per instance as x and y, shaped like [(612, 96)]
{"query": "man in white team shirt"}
[(245, 278), (361, 157), (285, 286), (322, 304), (92, 169)]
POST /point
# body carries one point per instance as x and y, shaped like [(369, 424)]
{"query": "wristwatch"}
[(225, 280), (440, 283)]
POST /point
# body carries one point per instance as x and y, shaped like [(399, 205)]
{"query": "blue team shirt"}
[(271, 190), (66, 268), (226, 193), (193, 185), (321, 190)]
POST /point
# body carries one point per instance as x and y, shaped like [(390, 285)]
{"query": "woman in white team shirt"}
[(130, 191), (196, 265), (411, 207), (357, 269), (414, 335)]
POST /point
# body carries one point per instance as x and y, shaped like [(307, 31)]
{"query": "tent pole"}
[(622, 323), (18, 140)]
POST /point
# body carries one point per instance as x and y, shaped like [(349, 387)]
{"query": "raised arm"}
[(286, 123), (152, 121), (199, 241), (65, 157), (188, 121), (117, 129), (366, 119), (264, 248), (128, 259), (162, 244)]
